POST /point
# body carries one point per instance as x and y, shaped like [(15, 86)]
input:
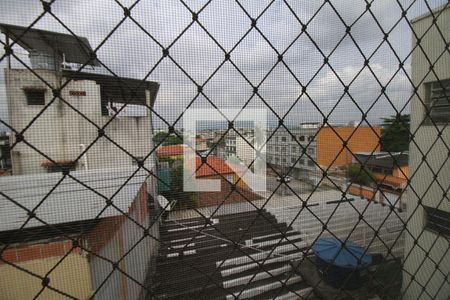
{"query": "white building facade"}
[(427, 254), (285, 150), (61, 130)]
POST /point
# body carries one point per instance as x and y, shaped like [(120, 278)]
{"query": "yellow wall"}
[(72, 276)]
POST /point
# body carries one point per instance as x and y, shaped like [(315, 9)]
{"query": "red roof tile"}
[(213, 166), (170, 150)]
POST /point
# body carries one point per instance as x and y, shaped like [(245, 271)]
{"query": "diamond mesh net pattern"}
[(356, 149)]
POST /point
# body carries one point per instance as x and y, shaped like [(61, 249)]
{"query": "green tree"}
[(395, 133), (360, 175), (218, 143), (184, 199), (167, 139)]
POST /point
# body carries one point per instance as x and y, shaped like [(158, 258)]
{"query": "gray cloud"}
[(131, 52)]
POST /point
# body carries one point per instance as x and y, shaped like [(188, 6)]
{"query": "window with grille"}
[(437, 220), (439, 101), (35, 96)]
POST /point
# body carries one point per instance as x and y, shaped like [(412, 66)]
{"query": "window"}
[(302, 138), (283, 149), (310, 151), (283, 139), (438, 94), (284, 160), (293, 149), (292, 138), (310, 163), (277, 149), (293, 160), (437, 220), (35, 96), (60, 166)]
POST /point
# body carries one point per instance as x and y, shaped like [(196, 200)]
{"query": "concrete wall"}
[(119, 237), (71, 276), (330, 148), (244, 151), (59, 131), (422, 184)]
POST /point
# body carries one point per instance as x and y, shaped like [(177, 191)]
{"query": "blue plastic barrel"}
[(341, 264)]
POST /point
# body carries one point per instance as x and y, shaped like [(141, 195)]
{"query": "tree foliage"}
[(360, 175), (395, 133), (218, 143), (167, 139), (184, 199)]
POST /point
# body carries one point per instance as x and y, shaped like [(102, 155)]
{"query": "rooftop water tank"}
[(341, 265)]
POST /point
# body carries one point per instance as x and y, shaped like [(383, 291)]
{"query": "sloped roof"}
[(213, 166), (170, 150), (76, 49), (119, 89), (70, 201), (383, 159)]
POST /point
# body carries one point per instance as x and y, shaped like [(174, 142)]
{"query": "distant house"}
[(171, 151), (390, 169), (390, 172), (201, 144), (233, 189), (78, 225)]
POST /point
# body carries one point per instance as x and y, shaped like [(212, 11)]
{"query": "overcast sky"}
[(130, 52)]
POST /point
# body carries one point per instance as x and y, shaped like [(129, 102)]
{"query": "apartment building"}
[(67, 109), (323, 147), (427, 247), (240, 146), (283, 149)]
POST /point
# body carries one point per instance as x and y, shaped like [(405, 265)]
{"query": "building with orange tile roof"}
[(171, 151)]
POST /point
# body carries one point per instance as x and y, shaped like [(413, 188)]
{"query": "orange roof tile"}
[(213, 166), (170, 150)]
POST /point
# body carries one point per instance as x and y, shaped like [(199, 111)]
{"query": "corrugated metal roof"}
[(70, 201), (76, 49), (119, 89), (383, 159)]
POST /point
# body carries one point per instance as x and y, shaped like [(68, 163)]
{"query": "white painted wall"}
[(60, 131), (422, 183)]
